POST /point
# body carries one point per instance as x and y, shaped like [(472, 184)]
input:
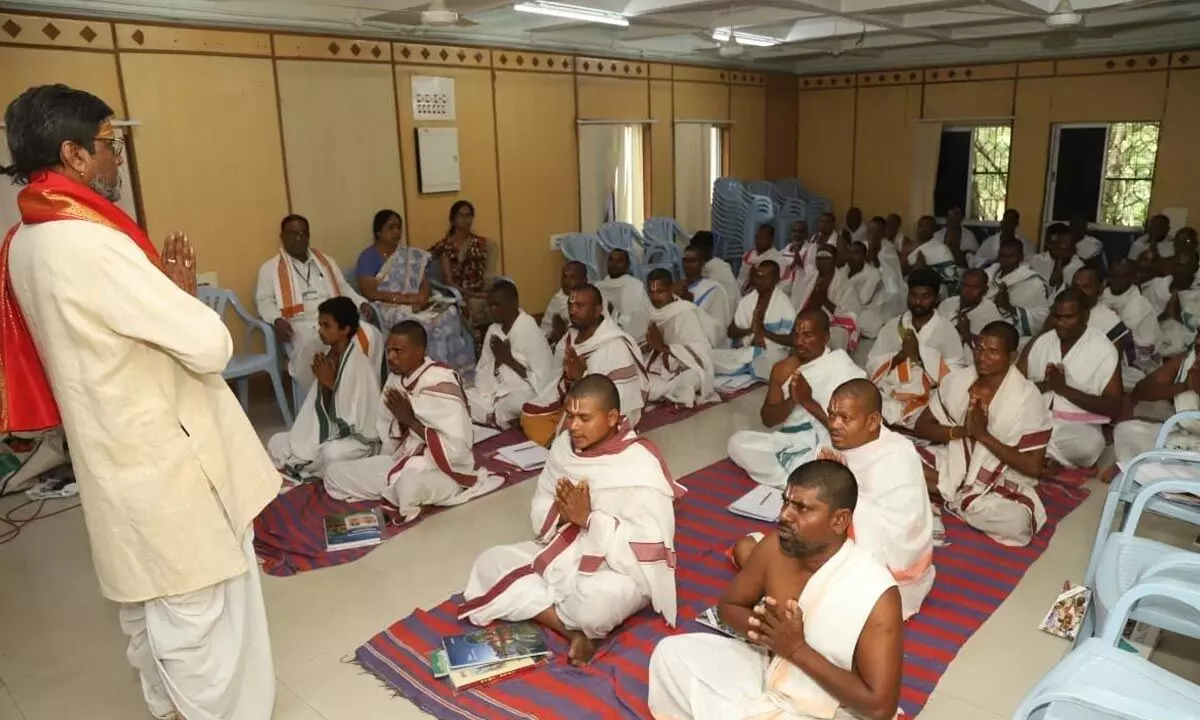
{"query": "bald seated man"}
[(893, 519), (821, 615), (555, 321), (603, 521)]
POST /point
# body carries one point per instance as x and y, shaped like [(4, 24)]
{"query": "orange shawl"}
[(26, 400)]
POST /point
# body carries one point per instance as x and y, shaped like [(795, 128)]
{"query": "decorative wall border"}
[(310, 47), (169, 38), (893, 77), (831, 82), (447, 55), (56, 32), (963, 73), (532, 62), (609, 67)]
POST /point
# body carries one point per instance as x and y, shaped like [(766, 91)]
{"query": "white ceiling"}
[(817, 35)]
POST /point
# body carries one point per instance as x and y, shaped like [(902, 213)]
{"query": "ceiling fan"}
[(1064, 25), (434, 14)]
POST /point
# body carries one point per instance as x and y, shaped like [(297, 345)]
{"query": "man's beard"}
[(110, 190), (920, 312), (793, 545)]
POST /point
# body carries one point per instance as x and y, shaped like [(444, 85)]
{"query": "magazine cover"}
[(504, 641)]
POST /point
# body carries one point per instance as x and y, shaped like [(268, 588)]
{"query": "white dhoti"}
[(1075, 444), (680, 388), (593, 604), (488, 408), (749, 359), (205, 654), (282, 451), (303, 347), (1134, 437), (500, 392)]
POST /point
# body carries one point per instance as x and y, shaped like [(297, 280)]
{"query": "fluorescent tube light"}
[(748, 39), (572, 12)]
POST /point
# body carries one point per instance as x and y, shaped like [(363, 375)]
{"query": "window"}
[(611, 180), (699, 161), (972, 171), (1104, 173)]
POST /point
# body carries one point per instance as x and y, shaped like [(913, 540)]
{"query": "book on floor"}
[(345, 531), (762, 503), (1067, 613), (465, 678), (712, 620), (732, 383), (525, 456), (479, 433), (498, 643)]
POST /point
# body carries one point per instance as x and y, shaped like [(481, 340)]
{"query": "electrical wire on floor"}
[(10, 526)]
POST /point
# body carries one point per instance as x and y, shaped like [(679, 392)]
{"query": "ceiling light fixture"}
[(747, 39), (572, 12)]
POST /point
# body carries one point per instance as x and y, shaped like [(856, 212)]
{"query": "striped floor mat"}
[(974, 576)]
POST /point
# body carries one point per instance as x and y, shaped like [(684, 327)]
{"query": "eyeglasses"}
[(116, 144)]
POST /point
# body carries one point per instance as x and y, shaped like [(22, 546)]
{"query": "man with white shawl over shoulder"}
[(1078, 371), (989, 430), (715, 268), (603, 519), (337, 420), (427, 437), (1103, 320), (970, 311), (1176, 300), (893, 519), (625, 298), (1020, 294), (914, 352), (595, 344), (760, 329), (292, 285), (1124, 297), (794, 408), (764, 249), (679, 364), (1176, 381), (555, 321), (707, 295), (515, 362), (930, 251), (821, 615)]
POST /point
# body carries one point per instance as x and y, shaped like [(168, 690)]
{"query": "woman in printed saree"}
[(462, 258), (396, 278)]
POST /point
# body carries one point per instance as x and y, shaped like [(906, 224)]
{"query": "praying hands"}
[(179, 261), (573, 501), (778, 628), (324, 371)]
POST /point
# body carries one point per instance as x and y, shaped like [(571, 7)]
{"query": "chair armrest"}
[(1173, 422), (1103, 700), (1180, 560), (1114, 624), (1148, 492), (1128, 477), (253, 322)]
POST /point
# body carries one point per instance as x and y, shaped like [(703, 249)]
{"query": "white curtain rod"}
[(591, 121), (969, 120), (702, 121)]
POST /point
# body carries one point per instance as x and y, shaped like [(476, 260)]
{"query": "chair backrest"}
[(623, 236), (216, 298), (664, 230), (584, 248)]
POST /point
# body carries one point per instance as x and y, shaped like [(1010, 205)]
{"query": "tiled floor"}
[(62, 652)]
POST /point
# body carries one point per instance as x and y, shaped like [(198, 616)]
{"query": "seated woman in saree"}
[(396, 278), (462, 258)]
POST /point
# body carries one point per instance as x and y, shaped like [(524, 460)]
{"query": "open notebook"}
[(526, 456), (762, 503)]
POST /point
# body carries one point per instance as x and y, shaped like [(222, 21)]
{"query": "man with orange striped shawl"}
[(990, 429), (914, 352), (425, 426), (603, 519), (290, 287)]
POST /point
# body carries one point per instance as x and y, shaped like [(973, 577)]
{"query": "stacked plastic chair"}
[(665, 230), (730, 201), (1132, 578), (789, 211)]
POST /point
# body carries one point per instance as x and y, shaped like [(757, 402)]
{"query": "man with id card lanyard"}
[(292, 285)]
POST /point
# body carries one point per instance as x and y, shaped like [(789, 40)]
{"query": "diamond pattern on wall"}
[(11, 28), (334, 48), (461, 56), (87, 33), (355, 50), (444, 55), (424, 53), (478, 57), (376, 52), (138, 37), (51, 31)]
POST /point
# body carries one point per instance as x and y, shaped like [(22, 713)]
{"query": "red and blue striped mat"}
[(974, 575), (289, 534)]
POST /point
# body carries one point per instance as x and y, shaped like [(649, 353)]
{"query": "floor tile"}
[(8, 707), (943, 706), (339, 690)]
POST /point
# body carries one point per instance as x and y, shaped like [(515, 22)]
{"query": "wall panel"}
[(747, 134), (700, 101), (883, 141), (1030, 150), (539, 176), (1109, 98), (1177, 170), (427, 216), (605, 98), (23, 68), (209, 157), (339, 178), (662, 149), (781, 109), (982, 99), (825, 160)]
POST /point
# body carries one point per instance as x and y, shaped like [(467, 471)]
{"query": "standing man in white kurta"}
[(292, 285), (603, 519), (108, 341), (516, 361)]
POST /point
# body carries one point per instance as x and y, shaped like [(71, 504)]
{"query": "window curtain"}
[(927, 143), (599, 157), (693, 186), (10, 215), (630, 194)]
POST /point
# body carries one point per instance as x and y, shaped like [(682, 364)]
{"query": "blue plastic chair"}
[(241, 367), (623, 236), (584, 248), (1100, 680), (665, 230)]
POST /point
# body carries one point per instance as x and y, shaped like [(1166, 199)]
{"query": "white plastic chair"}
[(584, 248), (241, 367), (1100, 680)]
